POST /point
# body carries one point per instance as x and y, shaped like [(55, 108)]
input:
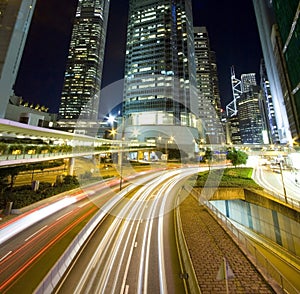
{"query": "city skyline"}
[(41, 73)]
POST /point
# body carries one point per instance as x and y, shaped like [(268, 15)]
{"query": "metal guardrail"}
[(294, 203), (259, 259), (9, 159), (188, 272)]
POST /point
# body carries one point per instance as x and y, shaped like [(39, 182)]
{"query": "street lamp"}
[(283, 185)]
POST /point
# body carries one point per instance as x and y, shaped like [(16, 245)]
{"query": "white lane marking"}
[(126, 289), (36, 233), (84, 204), (8, 253), (135, 244), (64, 215)]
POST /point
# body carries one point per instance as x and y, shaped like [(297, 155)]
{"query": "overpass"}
[(56, 144)]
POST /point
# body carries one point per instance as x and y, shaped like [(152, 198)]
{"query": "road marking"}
[(126, 289), (5, 255), (36, 233), (135, 244), (64, 215), (84, 204)]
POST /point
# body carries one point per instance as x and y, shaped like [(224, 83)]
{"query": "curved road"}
[(134, 249)]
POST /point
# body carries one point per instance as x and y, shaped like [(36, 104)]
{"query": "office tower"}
[(231, 108), (287, 19), (234, 129), (160, 99), (249, 116), (82, 82), (270, 43), (15, 18), (267, 107), (207, 81), (247, 80)]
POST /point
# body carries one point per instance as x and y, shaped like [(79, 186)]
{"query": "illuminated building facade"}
[(249, 115), (271, 46), (287, 15), (208, 86), (247, 80), (268, 111), (160, 99), (15, 19), (82, 82)]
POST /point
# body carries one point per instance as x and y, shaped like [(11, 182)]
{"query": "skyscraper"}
[(247, 80), (15, 19), (82, 82), (270, 45), (249, 115), (160, 99), (268, 107), (207, 80), (287, 18)]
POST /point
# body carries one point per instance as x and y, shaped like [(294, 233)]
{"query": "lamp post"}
[(282, 180)]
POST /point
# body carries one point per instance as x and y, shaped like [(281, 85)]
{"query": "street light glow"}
[(110, 119)]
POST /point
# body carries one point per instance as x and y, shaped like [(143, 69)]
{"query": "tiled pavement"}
[(208, 244)]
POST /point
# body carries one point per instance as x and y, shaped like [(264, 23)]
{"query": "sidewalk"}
[(208, 244)]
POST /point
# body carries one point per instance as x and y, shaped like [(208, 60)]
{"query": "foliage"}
[(207, 155), (15, 147), (237, 157), (22, 196), (3, 148), (232, 177)]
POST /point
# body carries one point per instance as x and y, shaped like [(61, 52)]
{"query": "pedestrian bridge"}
[(54, 144)]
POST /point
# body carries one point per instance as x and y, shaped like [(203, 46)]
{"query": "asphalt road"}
[(133, 250)]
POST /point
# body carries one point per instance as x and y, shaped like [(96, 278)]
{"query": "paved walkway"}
[(208, 244)]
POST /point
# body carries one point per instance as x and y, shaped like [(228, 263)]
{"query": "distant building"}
[(247, 80), (82, 82), (160, 99), (15, 19), (249, 116), (234, 130), (271, 47), (267, 107), (208, 86), (27, 113)]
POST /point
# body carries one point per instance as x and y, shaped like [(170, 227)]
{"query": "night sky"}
[(231, 27)]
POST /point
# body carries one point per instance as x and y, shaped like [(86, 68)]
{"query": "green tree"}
[(207, 157), (237, 157), (3, 148)]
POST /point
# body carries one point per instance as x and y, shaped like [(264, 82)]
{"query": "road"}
[(134, 249), (24, 240), (273, 182)]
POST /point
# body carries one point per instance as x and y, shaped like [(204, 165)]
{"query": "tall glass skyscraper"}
[(207, 80), (271, 51), (15, 19), (287, 15), (82, 82), (160, 99)]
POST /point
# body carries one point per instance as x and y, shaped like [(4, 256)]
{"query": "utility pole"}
[(282, 180)]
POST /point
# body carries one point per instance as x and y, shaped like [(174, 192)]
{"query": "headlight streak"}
[(104, 245), (114, 249), (32, 218), (9, 282)]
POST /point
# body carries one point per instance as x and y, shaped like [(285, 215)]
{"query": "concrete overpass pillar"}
[(140, 155), (71, 166)]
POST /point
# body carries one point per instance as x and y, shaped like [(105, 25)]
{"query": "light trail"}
[(23, 223), (7, 284), (108, 267)]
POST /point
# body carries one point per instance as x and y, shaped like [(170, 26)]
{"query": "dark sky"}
[(231, 27)]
